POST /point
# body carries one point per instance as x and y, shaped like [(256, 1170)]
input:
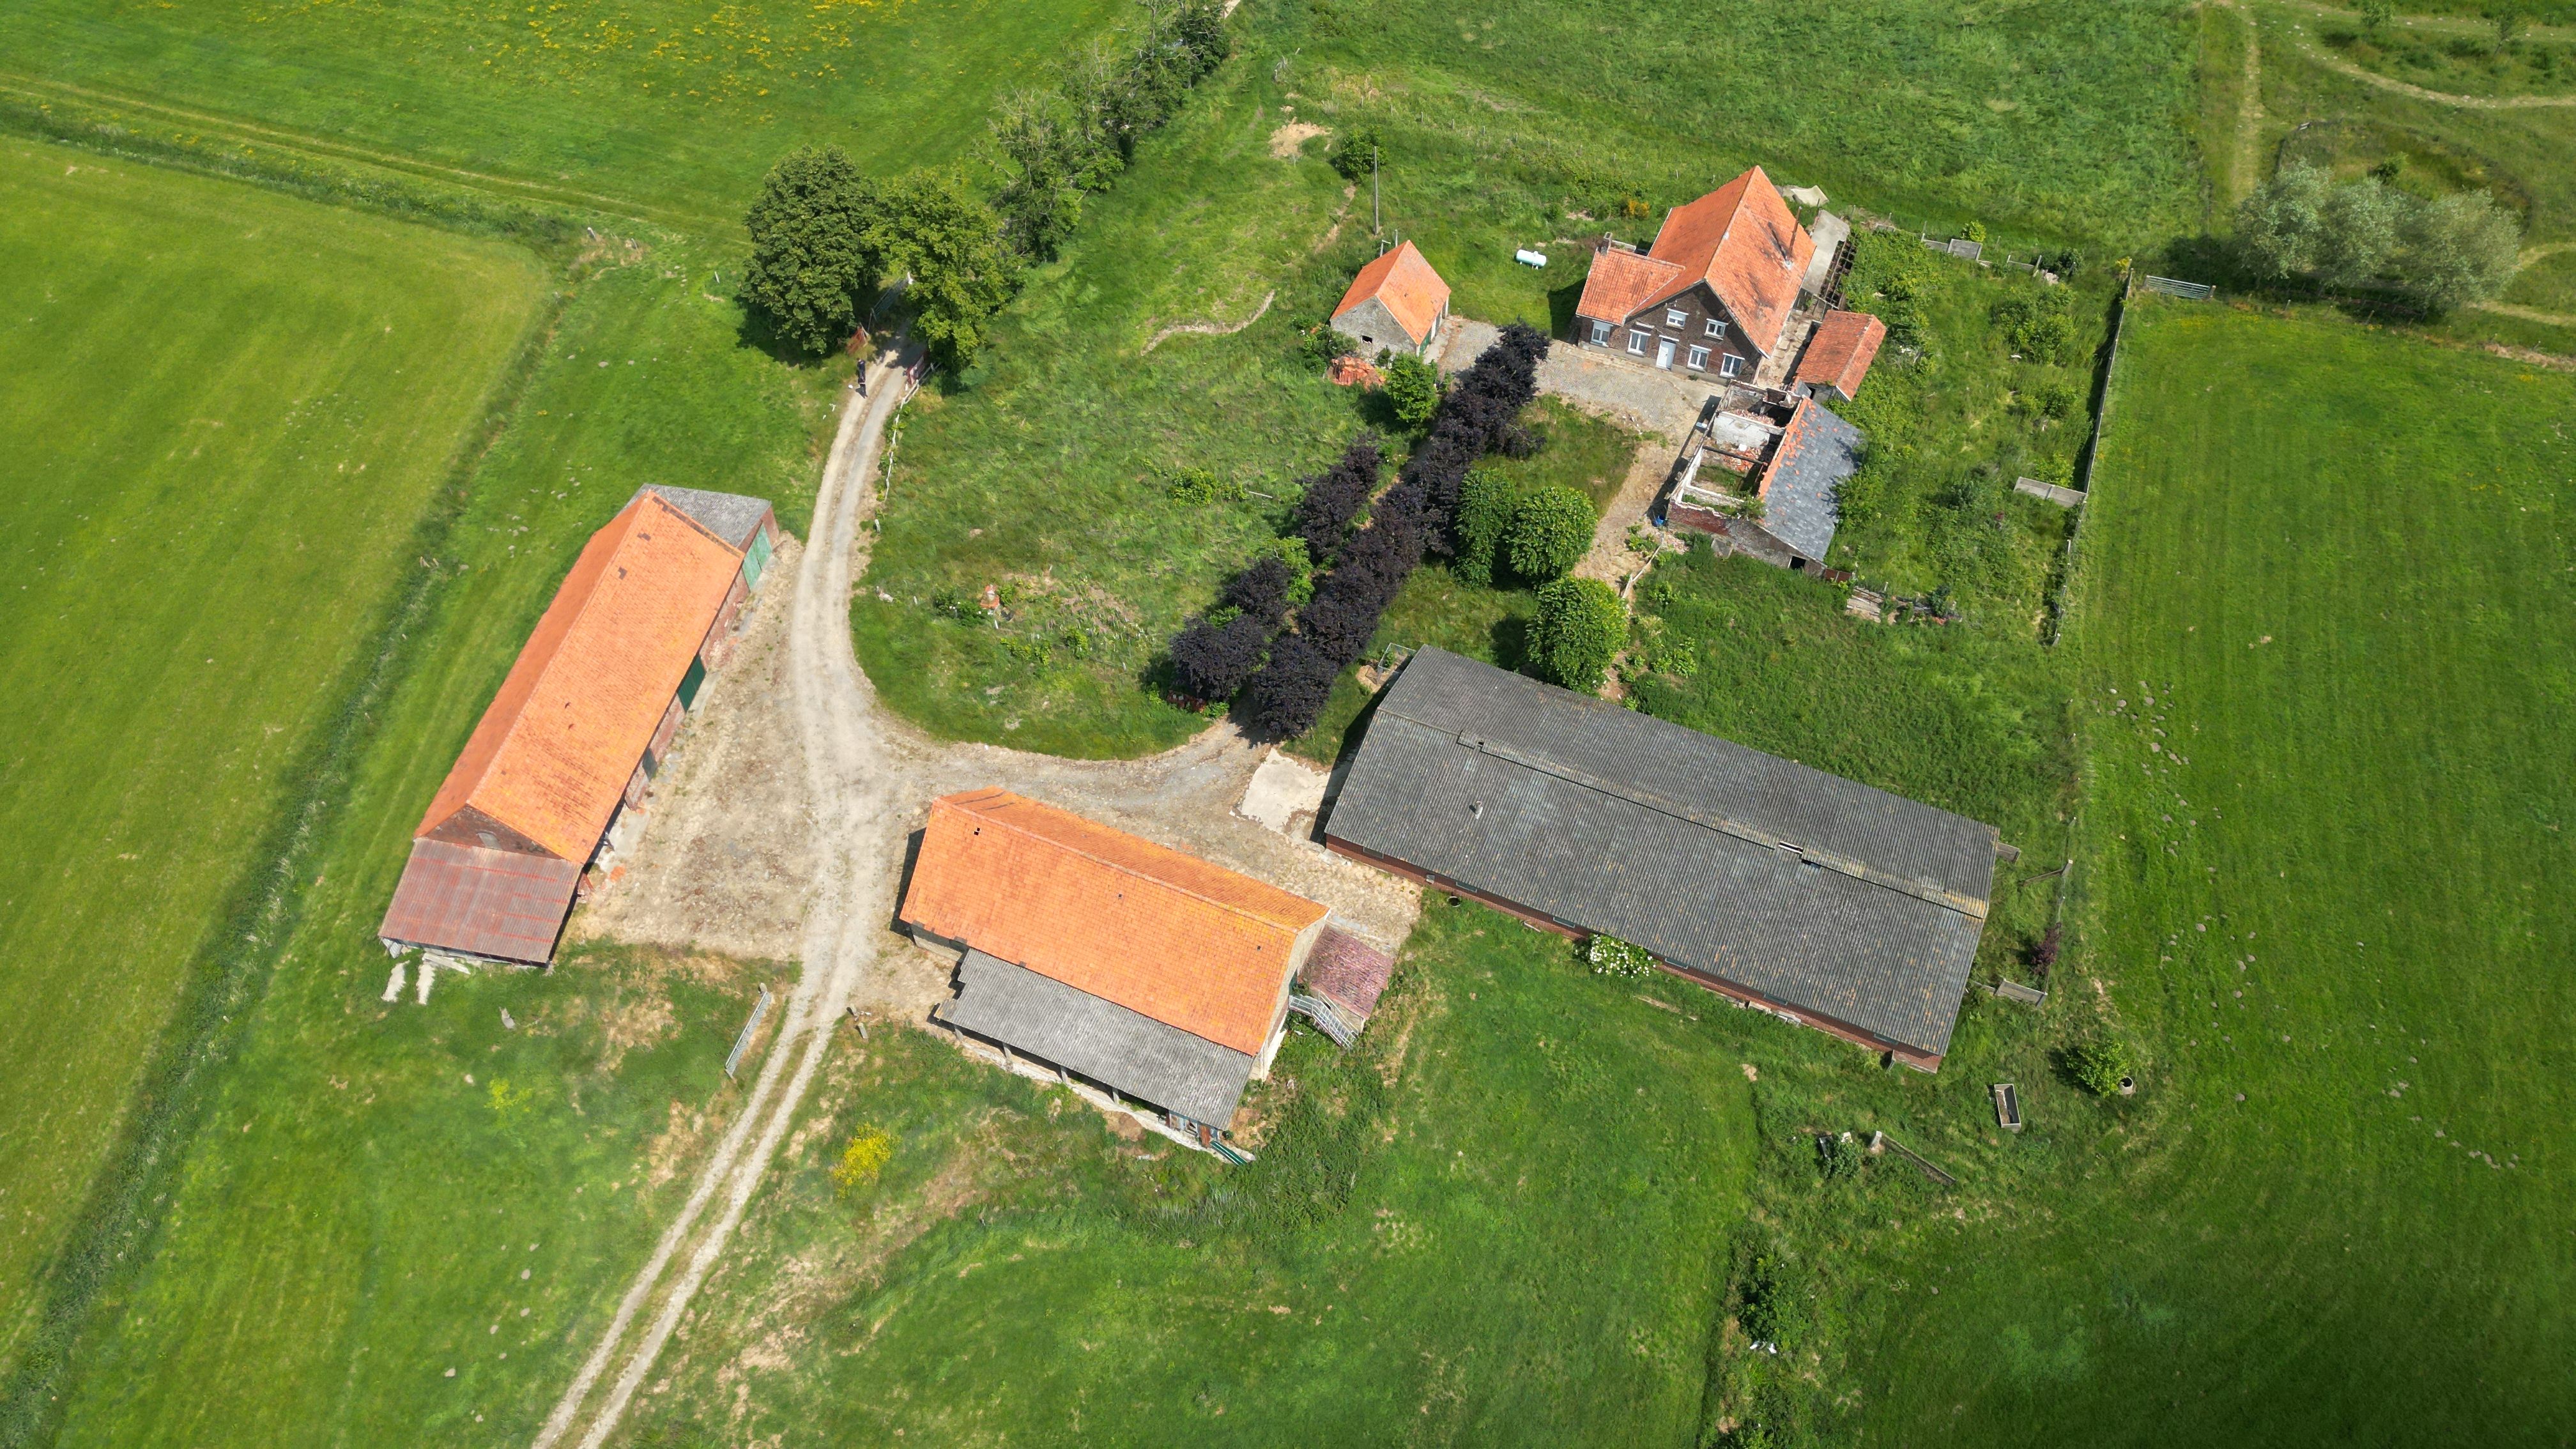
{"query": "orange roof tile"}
[(556, 747), (1743, 241), (1839, 355), (1405, 283), (1620, 282), (1187, 943)]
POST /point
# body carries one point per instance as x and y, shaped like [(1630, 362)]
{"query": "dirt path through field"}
[(2366, 76), (862, 784)]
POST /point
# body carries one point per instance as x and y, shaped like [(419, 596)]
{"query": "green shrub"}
[(1412, 389), (1837, 1156), (1301, 570), (1485, 503), (2054, 400), (1551, 531), (1359, 152), (1667, 651), (1610, 956), (1201, 486), (2039, 324), (1578, 631), (2099, 1064)]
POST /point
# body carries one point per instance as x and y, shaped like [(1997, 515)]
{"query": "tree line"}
[(826, 237), (1364, 547)]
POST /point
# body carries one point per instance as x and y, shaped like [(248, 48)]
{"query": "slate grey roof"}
[(1102, 1040), (1814, 892), (1815, 455), (733, 517)]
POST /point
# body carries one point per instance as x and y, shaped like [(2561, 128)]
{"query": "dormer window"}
[(1676, 317), (1716, 328)]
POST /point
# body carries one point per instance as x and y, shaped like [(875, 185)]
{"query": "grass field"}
[(2325, 676), (207, 511), (1505, 1218), (672, 109), (397, 1173)]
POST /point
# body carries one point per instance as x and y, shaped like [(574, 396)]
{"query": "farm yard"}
[(301, 415), (2304, 682)]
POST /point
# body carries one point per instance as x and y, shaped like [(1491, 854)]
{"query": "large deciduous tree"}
[(816, 258), (1578, 631)]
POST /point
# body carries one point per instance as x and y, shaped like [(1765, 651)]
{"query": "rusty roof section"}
[(495, 903), (1840, 353), (556, 747), (1166, 935), (1620, 282), (1404, 281), (1743, 241)]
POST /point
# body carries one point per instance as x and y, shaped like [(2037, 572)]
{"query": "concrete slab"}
[(1284, 795)]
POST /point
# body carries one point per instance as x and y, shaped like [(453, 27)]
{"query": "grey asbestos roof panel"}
[(733, 517), (1798, 503), (1073, 1029), (1815, 892)]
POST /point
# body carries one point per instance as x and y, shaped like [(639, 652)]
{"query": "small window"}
[(1699, 359), (1716, 328), (1676, 317), (1637, 342), (1600, 334), (1730, 365)]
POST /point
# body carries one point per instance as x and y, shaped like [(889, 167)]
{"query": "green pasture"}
[(208, 509), (1504, 1218), (672, 111), (2323, 648), (286, 481)]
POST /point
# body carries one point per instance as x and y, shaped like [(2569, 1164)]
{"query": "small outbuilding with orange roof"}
[(1150, 973), (1839, 354), (1395, 302), (555, 772)]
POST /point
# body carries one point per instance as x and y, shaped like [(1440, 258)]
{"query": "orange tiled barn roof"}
[(556, 747), (1405, 282), (1841, 351), (1621, 281), (1168, 935), (1741, 239)]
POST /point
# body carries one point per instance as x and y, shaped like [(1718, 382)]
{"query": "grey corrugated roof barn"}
[(1826, 901)]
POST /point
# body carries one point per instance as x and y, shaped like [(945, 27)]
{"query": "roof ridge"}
[(1097, 859)]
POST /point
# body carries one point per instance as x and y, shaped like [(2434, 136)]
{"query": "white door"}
[(1664, 352)]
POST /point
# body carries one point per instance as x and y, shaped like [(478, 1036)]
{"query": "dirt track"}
[(791, 774)]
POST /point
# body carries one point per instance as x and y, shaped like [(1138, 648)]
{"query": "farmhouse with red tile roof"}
[(1713, 294), (1397, 301)]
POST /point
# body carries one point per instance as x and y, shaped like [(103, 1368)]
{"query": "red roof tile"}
[(556, 747), (1620, 282), (1741, 239), (1838, 356), (1168, 935), (1411, 291)]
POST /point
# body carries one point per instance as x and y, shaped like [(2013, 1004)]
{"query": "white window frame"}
[(1699, 359), (1637, 340), (1601, 333), (1730, 366), (1676, 317), (1716, 328)]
